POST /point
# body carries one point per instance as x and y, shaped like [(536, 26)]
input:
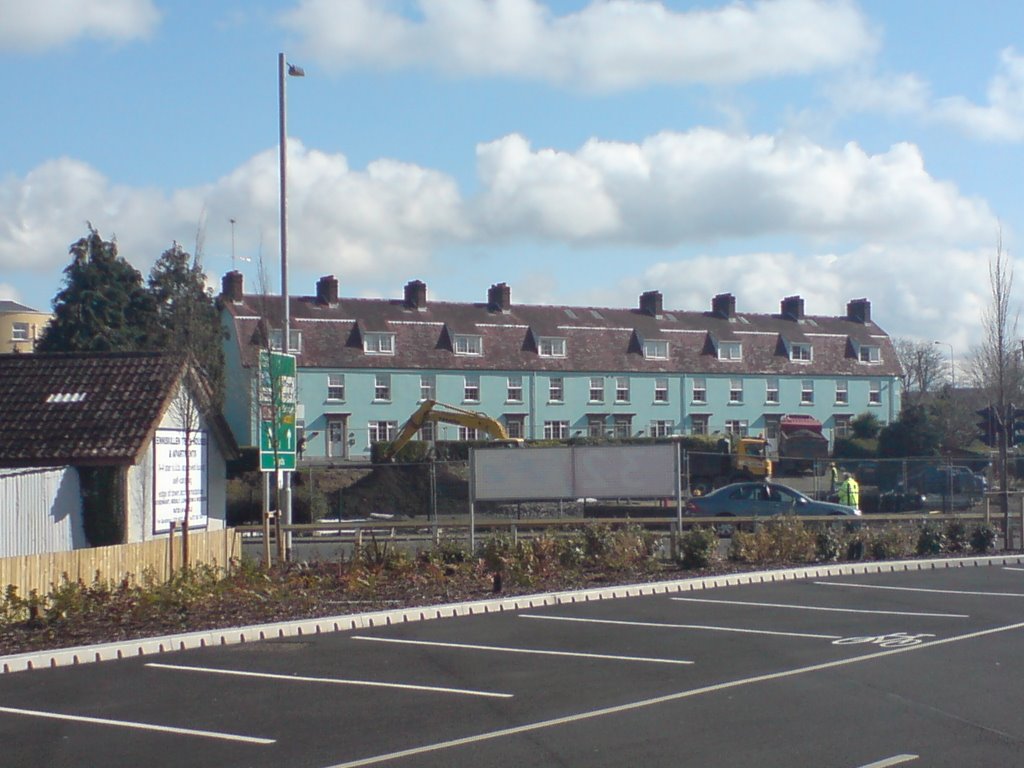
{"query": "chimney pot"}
[(724, 305), (499, 298), (416, 294), (651, 303), (859, 310), (232, 286), (793, 308), (327, 291)]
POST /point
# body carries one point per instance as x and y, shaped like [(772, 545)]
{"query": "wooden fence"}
[(134, 561)]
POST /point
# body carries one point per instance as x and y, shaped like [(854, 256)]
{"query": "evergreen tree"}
[(103, 305), (186, 318), (913, 434)]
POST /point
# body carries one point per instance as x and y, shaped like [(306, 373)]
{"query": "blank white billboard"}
[(589, 471)]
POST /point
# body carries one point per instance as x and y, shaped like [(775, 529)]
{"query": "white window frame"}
[(801, 352), (471, 345), (661, 390), (842, 392), (382, 388), (596, 424), (294, 339), (336, 387), (596, 389), (382, 431), (661, 428), (20, 331), (551, 346), (771, 391), (468, 434), (870, 354), (556, 389), (699, 394), (875, 392), (700, 424), (622, 425), (843, 427), (735, 391), (807, 392), (514, 389), (655, 349), (556, 430), (738, 427), (428, 386), (428, 432), (731, 351), (379, 343), (621, 389), (471, 388), (515, 426)]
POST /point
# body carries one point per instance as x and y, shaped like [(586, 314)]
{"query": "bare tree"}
[(996, 364), (924, 368)]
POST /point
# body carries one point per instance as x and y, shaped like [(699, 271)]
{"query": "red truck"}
[(801, 444)]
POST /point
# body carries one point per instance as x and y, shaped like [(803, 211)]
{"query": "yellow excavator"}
[(431, 410)]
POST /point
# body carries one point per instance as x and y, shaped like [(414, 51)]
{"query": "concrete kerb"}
[(305, 627)]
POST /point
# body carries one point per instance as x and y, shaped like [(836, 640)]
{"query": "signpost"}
[(277, 396)]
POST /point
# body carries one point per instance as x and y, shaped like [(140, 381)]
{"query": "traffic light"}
[(988, 427), (1014, 425)]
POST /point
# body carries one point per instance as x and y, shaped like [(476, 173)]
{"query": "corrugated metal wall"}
[(40, 511)]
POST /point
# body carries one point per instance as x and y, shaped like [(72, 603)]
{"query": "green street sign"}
[(277, 396)]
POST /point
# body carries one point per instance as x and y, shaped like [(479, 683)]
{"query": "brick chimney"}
[(793, 308), (651, 303), (859, 310), (724, 305), (416, 294), (232, 286), (499, 298), (327, 291)]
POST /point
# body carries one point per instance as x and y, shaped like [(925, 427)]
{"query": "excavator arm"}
[(431, 410)]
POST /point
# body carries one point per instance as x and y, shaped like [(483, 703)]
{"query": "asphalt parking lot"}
[(919, 668)]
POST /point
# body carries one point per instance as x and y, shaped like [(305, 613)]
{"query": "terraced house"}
[(555, 371)]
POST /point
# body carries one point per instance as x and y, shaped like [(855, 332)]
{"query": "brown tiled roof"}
[(83, 408), (597, 338)]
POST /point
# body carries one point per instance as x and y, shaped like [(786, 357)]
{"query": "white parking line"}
[(330, 680), (643, 703), (918, 589), (531, 651), (1008, 568), (680, 626), (137, 726), (821, 608), (890, 761)]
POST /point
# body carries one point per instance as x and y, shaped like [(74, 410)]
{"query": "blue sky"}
[(583, 152)]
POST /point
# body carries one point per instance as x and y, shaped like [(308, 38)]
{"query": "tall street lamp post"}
[(284, 70)]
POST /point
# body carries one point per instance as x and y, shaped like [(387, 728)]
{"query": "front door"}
[(336, 443)]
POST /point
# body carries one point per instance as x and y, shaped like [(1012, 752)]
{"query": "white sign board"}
[(179, 469), (599, 472)]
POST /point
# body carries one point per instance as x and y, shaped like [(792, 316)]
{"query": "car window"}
[(742, 492), (784, 495)]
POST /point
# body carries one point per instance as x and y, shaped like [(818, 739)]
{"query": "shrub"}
[(698, 548), (783, 538), (930, 540), (629, 549), (956, 535), (889, 543), (983, 538), (572, 550), (828, 544)]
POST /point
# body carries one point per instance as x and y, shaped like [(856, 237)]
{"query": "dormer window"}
[(730, 350), (294, 338), (376, 343), (550, 346), (800, 352), (656, 349), (869, 353), (465, 344)]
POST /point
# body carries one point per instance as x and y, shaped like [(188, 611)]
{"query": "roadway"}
[(916, 668)]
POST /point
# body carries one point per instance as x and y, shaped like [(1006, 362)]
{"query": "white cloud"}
[(41, 24), (1000, 119), (705, 184), (607, 45)]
